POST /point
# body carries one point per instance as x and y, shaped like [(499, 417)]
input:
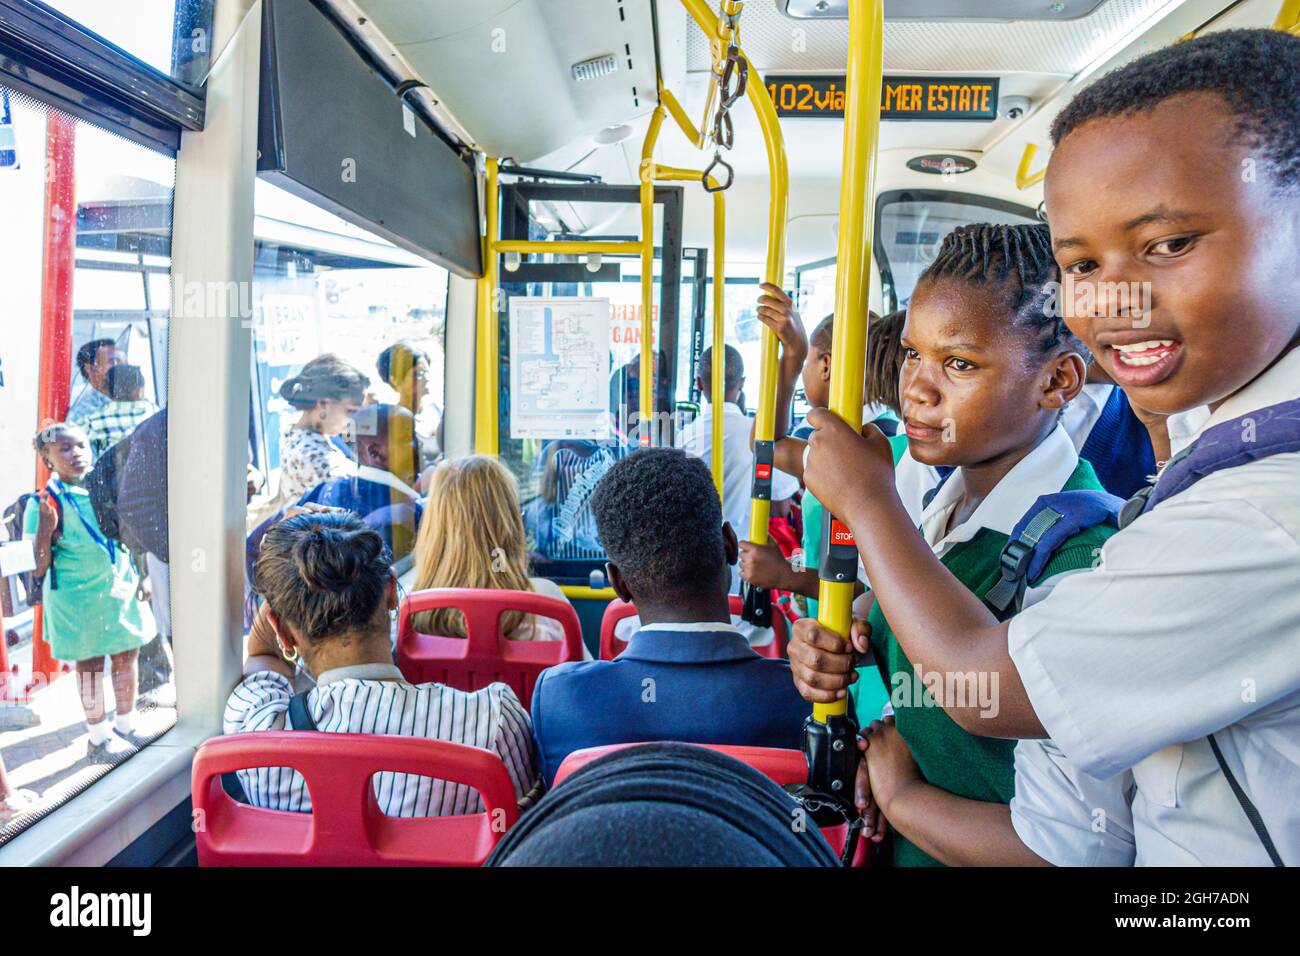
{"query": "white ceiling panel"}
[(774, 42), (504, 67)]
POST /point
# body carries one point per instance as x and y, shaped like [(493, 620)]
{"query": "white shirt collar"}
[(1281, 383), (360, 672), (1043, 471), (693, 626), (379, 476)]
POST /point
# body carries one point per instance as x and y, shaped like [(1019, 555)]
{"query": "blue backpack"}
[(1056, 518)]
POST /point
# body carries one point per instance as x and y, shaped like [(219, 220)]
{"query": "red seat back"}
[(618, 610), (484, 656), (346, 826), (783, 767)]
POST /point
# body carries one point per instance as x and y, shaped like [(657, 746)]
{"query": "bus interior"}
[(218, 192)]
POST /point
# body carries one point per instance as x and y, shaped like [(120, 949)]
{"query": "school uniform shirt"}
[(694, 683), (90, 600), (1188, 627), (1068, 817), (373, 699), (737, 462), (115, 421), (308, 458), (977, 768)]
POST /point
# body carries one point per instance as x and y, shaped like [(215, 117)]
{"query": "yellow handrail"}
[(717, 385), (852, 276), (1288, 17), (1024, 178), (572, 247), (696, 137), (487, 423), (720, 36), (581, 592), (646, 431)]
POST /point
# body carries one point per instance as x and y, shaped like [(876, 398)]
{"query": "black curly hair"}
[(324, 574), (1018, 259), (660, 521), (1257, 72)]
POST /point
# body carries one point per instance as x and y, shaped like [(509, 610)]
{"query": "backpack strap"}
[(1252, 814), (300, 717), (1052, 521), (1260, 434)]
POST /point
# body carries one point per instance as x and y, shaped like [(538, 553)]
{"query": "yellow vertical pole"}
[(1288, 16), (717, 385), (487, 420), (778, 190), (645, 424), (852, 274)]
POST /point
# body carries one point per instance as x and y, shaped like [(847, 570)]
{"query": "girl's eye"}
[(1080, 268), (910, 354), (1171, 247), (960, 365)]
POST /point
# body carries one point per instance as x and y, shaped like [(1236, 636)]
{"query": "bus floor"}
[(50, 758)]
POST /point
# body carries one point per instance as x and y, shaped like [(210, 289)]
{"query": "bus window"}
[(348, 368), (911, 224), (85, 663), (171, 36)]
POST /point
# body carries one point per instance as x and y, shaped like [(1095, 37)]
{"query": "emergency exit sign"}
[(901, 97)]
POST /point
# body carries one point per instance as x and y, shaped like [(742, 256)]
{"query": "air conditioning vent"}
[(594, 68)]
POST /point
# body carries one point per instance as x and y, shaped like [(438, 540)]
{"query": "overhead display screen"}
[(901, 97)]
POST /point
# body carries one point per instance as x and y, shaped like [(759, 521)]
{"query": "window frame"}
[(888, 290), (53, 59)]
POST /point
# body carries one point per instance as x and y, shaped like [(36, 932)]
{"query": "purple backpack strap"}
[(1274, 430)]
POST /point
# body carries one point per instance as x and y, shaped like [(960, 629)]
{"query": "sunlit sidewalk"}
[(52, 758)]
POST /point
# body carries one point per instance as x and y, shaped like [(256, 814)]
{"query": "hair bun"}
[(332, 560)]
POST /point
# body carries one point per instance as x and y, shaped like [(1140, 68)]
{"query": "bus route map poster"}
[(559, 368)]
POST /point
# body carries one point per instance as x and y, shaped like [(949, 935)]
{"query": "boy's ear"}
[(729, 543), (392, 590), (1067, 375), (616, 581), (825, 363)]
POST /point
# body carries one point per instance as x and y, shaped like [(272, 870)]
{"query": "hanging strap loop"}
[(722, 185)]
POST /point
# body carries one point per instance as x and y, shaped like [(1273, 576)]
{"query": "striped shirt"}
[(364, 700)]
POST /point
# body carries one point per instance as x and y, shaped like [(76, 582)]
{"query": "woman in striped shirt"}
[(329, 589)]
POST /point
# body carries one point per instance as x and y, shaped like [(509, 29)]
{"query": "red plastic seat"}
[(618, 610), (346, 826), (783, 767), (484, 656)]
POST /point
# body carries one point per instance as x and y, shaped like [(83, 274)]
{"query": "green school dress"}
[(94, 610), (977, 768)]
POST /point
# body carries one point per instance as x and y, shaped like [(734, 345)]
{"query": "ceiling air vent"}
[(596, 67)]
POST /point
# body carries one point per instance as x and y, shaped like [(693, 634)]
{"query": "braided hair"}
[(885, 360), (1018, 260)]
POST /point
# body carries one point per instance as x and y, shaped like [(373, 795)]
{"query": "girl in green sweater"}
[(988, 368)]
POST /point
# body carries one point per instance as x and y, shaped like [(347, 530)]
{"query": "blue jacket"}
[(689, 685)]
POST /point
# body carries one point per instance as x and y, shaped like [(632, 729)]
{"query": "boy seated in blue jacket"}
[(688, 674)]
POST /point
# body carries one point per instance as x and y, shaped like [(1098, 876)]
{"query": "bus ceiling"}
[(570, 85)]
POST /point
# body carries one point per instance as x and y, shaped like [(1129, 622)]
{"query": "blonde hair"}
[(471, 536)]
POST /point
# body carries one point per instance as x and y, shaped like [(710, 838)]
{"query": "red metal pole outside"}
[(55, 387)]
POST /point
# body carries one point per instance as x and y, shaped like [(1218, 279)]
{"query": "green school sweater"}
[(977, 768), (870, 692)]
